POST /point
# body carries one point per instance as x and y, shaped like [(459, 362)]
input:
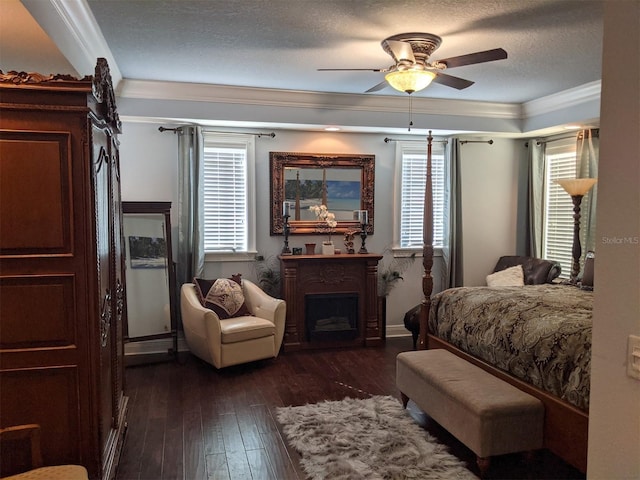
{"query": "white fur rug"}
[(373, 438)]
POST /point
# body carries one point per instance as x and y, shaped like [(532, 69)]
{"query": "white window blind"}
[(558, 224), (225, 194), (413, 181)]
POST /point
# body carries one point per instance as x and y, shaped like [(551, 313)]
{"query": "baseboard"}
[(163, 346), (397, 331), (153, 347)]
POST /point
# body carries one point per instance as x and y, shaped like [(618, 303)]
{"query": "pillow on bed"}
[(509, 277)]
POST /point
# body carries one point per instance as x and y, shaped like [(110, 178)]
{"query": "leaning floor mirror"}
[(151, 329)]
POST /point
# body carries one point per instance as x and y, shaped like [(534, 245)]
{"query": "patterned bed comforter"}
[(538, 333)]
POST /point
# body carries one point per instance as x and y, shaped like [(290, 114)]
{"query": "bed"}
[(540, 334), (536, 337)]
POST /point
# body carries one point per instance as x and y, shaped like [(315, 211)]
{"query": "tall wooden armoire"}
[(62, 289)]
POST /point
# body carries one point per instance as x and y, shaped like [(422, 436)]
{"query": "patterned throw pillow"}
[(509, 277), (222, 295)]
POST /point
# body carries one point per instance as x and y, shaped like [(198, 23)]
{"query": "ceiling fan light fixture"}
[(410, 81)]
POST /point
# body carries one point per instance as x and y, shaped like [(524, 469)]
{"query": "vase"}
[(310, 248), (328, 248)]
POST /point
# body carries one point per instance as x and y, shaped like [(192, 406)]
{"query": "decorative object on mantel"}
[(327, 222), (362, 217), (577, 188), (328, 248), (286, 213), (348, 241), (310, 248)]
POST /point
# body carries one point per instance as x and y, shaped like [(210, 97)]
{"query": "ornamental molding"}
[(34, 78)]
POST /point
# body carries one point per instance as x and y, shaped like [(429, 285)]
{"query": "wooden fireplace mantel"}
[(327, 274)]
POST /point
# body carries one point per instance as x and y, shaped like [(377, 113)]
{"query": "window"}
[(560, 159), (412, 162), (228, 186)]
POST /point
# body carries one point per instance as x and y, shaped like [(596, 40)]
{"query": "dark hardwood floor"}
[(189, 421)]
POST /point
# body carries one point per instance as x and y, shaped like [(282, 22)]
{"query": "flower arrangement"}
[(325, 217)]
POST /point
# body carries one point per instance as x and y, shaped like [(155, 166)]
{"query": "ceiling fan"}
[(412, 70)]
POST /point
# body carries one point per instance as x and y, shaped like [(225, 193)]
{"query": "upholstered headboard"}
[(536, 270)]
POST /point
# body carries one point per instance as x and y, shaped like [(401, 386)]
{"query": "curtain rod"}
[(540, 142), (462, 142), (595, 132), (165, 129), (387, 140), (257, 134)]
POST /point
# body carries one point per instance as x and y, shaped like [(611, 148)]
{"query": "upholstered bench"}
[(488, 415)]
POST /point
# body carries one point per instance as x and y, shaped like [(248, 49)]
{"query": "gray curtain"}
[(536, 154), (190, 249), (452, 275), (587, 152)]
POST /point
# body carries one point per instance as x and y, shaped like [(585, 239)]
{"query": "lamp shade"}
[(410, 81), (576, 186)]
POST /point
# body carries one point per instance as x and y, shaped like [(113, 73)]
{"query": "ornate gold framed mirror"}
[(342, 182)]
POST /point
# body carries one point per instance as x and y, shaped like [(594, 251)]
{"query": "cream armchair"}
[(234, 340)]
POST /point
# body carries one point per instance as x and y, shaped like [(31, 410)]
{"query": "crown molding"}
[(562, 100), (72, 26), (227, 94)]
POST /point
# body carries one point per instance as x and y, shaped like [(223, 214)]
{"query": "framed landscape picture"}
[(148, 252)]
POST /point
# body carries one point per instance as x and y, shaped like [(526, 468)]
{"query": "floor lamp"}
[(577, 188)]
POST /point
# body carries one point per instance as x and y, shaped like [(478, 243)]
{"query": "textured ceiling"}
[(552, 45)]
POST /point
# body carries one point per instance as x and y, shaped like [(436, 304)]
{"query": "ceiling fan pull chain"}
[(410, 113)]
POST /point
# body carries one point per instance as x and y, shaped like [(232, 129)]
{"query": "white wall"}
[(149, 172), (489, 176), (614, 419), (147, 164)]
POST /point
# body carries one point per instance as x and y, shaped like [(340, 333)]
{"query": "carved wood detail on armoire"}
[(62, 283)]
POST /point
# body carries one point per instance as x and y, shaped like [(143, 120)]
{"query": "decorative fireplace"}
[(331, 301), (331, 316)]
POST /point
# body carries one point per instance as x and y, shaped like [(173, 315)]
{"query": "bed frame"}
[(565, 426)]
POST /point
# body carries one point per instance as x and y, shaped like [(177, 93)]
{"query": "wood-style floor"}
[(189, 421)]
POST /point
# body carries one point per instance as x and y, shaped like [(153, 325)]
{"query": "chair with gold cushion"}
[(13, 441), (223, 342)]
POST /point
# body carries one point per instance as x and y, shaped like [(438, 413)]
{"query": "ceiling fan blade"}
[(378, 87), (401, 51), (478, 57), (352, 70), (451, 81)]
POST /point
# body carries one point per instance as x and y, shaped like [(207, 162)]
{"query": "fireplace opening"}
[(331, 316)]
